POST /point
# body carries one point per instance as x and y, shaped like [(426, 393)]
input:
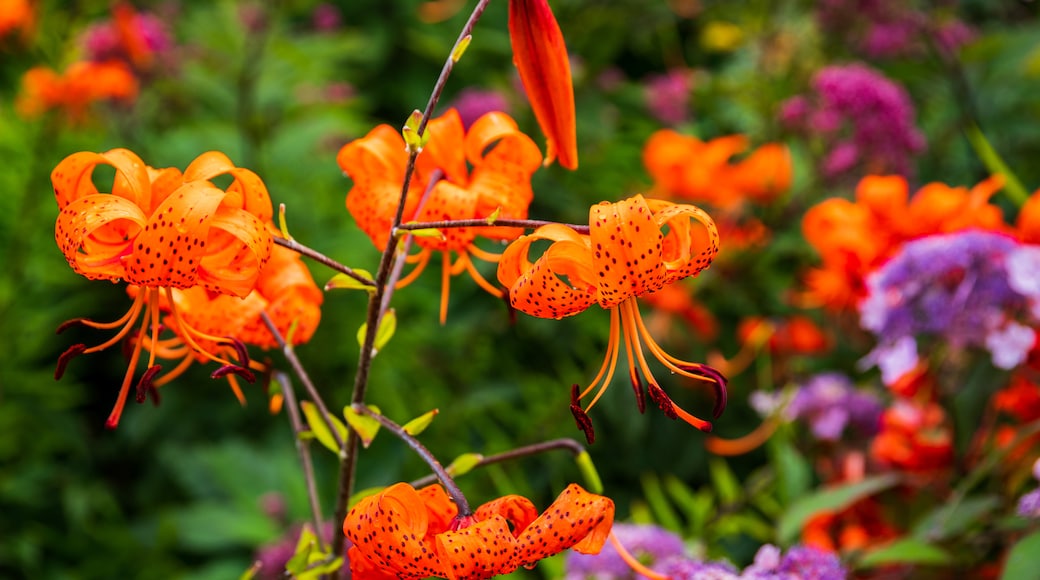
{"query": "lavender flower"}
[(472, 104), (668, 96), (829, 402), (680, 568), (1029, 505), (890, 28), (799, 563), (863, 118), (648, 543), (966, 289)]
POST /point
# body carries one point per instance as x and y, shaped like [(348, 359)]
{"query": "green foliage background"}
[(177, 490)]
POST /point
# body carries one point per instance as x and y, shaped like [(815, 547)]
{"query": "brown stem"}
[(322, 259), (438, 470), (527, 450), (375, 302), (294, 362), (303, 449)]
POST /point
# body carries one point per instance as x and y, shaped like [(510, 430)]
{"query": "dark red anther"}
[(581, 417), (637, 387), (63, 360), (719, 384), (68, 324), (234, 370), (662, 399), (240, 349), (144, 386)]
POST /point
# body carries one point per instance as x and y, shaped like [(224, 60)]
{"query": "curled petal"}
[(442, 150), (237, 248), (95, 232), (541, 58), (503, 161), (72, 177), (247, 191), (389, 528), (686, 251), (516, 509), (577, 519), (539, 289)]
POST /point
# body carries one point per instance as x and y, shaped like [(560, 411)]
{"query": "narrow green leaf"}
[(282, 226), (387, 327), (907, 551), (464, 463), (424, 233), (420, 423), (1021, 560), (320, 570), (952, 519), (793, 471), (662, 509), (725, 481), (343, 282), (995, 164), (250, 573), (702, 510), (827, 500), (588, 471), (461, 47), (320, 429), (491, 219), (366, 427)]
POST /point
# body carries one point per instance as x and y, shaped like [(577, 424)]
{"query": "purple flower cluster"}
[(274, 557), (865, 120), (663, 552), (830, 402), (649, 544), (101, 42), (473, 104), (890, 28), (965, 289), (668, 96)]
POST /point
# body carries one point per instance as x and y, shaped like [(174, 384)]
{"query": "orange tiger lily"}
[(502, 159), (285, 291), (17, 15), (160, 230), (684, 166), (409, 534), (541, 59), (76, 89), (626, 254)]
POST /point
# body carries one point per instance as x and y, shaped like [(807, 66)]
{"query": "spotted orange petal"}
[(443, 151), (685, 250), (626, 245), (439, 507), (389, 528), (516, 509), (481, 550), (448, 201), (560, 283), (246, 192), (95, 233), (577, 519), (541, 58)]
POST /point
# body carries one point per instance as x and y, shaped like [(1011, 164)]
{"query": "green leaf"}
[(828, 499), (282, 226), (464, 463), (1021, 560), (662, 509), (412, 139), (588, 471), (951, 519), (906, 551), (424, 232), (793, 471), (366, 427), (726, 483), (250, 572), (320, 429), (302, 555), (460, 48), (491, 219), (420, 423), (387, 327), (343, 282), (995, 164)]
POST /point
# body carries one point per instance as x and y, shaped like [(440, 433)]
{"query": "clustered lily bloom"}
[(161, 230), (633, 247), (443, 188), (73, 91), (285, 291), (408, 534)]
